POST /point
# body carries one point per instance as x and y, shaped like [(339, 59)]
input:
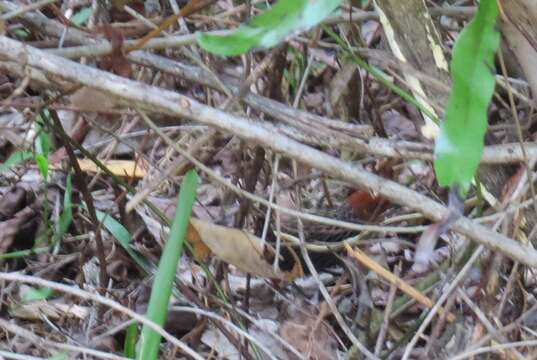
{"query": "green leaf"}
[(42, 142), (32, 294), (129, 348), (24, 253), (123, 236), (165, 277), (43, 145), (14, 159), (22, 34), (81, 17), (60, 356), (66, 217), (42, 163), (285, 18), (460, 143)]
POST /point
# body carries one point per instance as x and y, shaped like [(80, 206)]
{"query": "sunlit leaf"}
[(42, 163), (285, 18), (460, 143)]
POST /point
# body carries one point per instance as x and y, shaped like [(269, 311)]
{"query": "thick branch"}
[(163, 101)]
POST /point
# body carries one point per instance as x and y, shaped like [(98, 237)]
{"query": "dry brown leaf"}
[(345, 92), (398, 126), (12, 201), (262, 331), (92, 100), (200, 250), (116, 60), (236, 247), (312, 339), (10, 228), (52, 309)]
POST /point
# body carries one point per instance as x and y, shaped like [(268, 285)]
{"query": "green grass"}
[(129, 348), (164, 280)]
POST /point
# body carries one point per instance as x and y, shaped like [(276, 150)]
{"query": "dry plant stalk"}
[(393, 279)]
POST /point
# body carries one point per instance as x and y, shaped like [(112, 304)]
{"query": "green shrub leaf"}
[(459, 145), (268, 29)]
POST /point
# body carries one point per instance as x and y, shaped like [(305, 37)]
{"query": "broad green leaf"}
[(459, 145), (285, 18)]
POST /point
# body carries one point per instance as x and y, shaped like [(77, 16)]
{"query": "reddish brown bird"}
[(359, 207)]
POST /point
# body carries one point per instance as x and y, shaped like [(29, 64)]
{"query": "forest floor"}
[(317, 226)]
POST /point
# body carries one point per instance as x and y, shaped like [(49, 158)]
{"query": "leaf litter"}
[(279, 303)]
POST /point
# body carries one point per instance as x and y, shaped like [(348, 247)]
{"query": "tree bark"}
[(414, 39)]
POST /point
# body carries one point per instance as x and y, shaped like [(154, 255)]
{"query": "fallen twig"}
[(163, 101)]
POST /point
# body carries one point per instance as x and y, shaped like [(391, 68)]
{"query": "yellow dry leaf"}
[(200, 250), (129, 168), (238, 248)]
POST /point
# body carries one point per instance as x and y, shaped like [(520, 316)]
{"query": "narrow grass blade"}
[(123, 237), (43, 146), (164, 280), (129, 349), (66, 217)]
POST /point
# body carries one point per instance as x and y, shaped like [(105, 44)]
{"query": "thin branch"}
[(44, 343), (437, 306), (31, 7), (495, 154), (17, 277), (495, 348)]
